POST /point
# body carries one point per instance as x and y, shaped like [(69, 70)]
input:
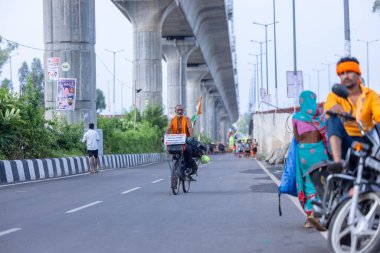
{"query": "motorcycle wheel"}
[(366, 226)]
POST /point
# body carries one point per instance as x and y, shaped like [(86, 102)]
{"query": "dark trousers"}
[(335, 127), (188, 155)]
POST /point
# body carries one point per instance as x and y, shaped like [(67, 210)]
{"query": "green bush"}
[(120, 137), (24, 132)]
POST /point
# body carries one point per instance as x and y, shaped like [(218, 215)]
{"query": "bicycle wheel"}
[(186, 184), (175, 177)]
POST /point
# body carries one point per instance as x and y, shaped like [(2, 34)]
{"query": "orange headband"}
[(348, 66)]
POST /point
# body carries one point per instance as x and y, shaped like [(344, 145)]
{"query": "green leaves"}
[(121, 138), (24, 132), (376, 6)]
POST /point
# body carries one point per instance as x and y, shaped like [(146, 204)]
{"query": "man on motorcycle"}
[(180, 124), (362, 102)]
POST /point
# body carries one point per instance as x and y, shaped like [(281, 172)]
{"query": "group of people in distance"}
[(245, 148), (323, 137)]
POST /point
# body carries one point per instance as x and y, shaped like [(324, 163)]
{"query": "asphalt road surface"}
[(231, 208)]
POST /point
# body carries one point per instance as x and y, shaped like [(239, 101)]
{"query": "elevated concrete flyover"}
[(193, 37)]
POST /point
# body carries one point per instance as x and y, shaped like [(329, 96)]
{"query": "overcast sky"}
[(320, 37)]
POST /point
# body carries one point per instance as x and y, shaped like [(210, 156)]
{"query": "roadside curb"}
[(13, 171)]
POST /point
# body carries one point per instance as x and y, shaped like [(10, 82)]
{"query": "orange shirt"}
[(367, 109), (180, 127)]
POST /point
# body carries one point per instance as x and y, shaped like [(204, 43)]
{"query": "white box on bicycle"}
[(174, 139)]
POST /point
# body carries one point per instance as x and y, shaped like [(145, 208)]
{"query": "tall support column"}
[(147, 17), (218, 113), (223, 125), (194, 77), (176, 53), (210, 90), (73, 41), (203, 120), (211, 116)]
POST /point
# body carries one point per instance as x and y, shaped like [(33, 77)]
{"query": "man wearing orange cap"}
[(365, 104)]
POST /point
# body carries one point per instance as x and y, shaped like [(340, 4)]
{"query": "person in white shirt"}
[(91, 137)]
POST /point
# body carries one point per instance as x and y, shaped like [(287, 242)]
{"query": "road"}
[(233, 207)]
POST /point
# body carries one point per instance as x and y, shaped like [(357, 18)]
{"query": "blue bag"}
[(288, 178)]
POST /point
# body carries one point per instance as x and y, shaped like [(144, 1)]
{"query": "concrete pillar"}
[(69, 33), (211, 116), (203, 118), (147, 17), (223, 126), (218, 114), (176, 53), (210, 90), (194, 77)]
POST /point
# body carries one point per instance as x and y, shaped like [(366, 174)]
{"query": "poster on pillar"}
[(66, 94), (53, 68)]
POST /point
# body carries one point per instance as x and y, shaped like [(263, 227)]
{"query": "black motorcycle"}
[(349, 205)]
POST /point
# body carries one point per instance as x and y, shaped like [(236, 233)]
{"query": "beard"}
[(349, 83)]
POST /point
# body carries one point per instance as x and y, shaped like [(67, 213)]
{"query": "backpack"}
[(288, 178)]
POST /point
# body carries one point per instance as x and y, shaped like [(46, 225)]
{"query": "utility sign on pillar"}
[(294, 83)]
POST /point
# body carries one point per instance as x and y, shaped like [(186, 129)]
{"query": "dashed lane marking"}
[(12, 230), (83, 207), (156, 181), (130, 190)]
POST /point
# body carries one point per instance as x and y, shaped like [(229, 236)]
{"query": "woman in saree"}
[(309, 130)]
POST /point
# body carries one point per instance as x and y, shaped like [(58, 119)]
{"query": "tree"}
[(155, 116), (6, 84), (36, 77), (5, 52), (376, 6), (100, 101), (243, 123), (23, 74)]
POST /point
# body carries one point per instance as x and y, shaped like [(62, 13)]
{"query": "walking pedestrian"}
[(91, 138), (310, 131)]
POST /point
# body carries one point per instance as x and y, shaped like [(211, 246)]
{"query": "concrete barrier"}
[(273, 131), (36, 169)]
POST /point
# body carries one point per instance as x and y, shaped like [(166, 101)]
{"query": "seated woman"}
[(309, 130)]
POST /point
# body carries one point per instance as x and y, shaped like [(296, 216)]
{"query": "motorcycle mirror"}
[(340, 90)]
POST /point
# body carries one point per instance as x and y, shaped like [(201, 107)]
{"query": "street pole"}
[(295, 57), (368, 42), (347, 37), (257, 76), (275, 50), (318, 70), (261, 59), (266, 50), (135, 91), (328, 71), (114, 75)]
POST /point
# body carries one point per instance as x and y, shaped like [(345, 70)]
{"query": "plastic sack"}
[(288, 178)]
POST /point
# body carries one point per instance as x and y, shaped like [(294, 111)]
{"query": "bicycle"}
[(176, 146)]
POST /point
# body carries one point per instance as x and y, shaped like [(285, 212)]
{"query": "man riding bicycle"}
[(180, 124), (364, 102)]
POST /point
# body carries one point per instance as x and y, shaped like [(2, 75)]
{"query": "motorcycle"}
[(349, 205)]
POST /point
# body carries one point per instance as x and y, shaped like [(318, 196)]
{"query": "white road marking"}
[(5, 232), (83, 207), (293, 199), (158, 180), (131, 190)]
